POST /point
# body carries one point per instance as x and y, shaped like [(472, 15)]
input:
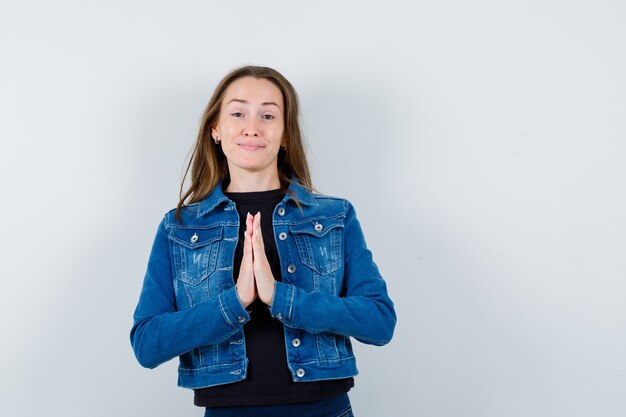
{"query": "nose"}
[(251, 128)]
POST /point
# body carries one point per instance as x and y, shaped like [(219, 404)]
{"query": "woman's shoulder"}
[(187, 213), (329, 199), (331, 204)]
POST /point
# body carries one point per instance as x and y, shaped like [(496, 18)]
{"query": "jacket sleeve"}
[(364, 309), (160, 332)]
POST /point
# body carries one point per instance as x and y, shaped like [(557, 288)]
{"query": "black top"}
[(268, 380)]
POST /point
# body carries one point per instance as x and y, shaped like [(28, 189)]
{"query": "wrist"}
[(271, 300), (268, 297)]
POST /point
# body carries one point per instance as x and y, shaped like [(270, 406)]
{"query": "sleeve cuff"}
[(232, 310), (282, 305)]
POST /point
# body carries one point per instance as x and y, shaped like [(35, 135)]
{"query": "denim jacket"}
[(330, 290)]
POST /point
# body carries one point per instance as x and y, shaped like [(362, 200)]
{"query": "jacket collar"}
[(212, 200), (217, 197)]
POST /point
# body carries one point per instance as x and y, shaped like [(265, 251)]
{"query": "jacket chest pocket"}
[(195, 253), (320, 244)]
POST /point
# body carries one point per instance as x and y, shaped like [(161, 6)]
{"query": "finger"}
[(257, 222), (246, 285), (247, 242), (257, 234), (249, 222), (247, 245)]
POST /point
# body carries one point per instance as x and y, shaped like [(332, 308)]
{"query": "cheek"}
[(278, 132), (228, 125)]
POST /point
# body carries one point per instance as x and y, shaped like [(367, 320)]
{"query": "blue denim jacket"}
[(331, 290)]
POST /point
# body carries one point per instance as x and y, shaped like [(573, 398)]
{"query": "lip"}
[(250, 146)]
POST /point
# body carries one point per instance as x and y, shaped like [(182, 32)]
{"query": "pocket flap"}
[(196, 238), (316, 228)]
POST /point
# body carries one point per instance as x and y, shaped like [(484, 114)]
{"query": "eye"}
[(237, 114), (268, 117)]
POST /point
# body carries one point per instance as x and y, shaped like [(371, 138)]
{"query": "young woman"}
[(254, 281)]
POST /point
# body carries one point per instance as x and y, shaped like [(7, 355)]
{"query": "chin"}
[(251, 166), (252, 162)]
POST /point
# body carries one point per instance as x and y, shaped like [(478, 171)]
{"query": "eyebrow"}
[(265, 103)]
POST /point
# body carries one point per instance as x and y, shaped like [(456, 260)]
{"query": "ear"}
[(214, 131)]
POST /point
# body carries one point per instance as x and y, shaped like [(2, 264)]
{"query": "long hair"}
[(208, 163)]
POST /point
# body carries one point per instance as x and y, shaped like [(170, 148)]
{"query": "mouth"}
[(251, 146)]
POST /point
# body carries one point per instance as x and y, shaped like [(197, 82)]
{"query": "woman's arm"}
[(364, 311), (160, 332)]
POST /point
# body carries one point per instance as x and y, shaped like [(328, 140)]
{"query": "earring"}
[(216, 140), (284, 147)]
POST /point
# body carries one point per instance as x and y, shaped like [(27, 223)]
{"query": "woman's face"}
[(251, 124)]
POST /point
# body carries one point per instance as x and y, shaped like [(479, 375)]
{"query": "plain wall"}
[(482, 144)]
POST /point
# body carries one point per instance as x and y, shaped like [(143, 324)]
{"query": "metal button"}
[(300, 372), (291, 268), (281, 211), (282, 236), (279, 316), (295, 342), (194, 238), (241, 319), (319, 227)]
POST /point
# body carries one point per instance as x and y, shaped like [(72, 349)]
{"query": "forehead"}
[(253, 90)]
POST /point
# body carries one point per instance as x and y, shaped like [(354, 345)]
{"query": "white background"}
[(482, 144)]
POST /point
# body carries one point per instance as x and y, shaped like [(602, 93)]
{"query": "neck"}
[(246, 181)]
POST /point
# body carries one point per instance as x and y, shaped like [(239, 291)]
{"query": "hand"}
[(262, 271), (246, 288)]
